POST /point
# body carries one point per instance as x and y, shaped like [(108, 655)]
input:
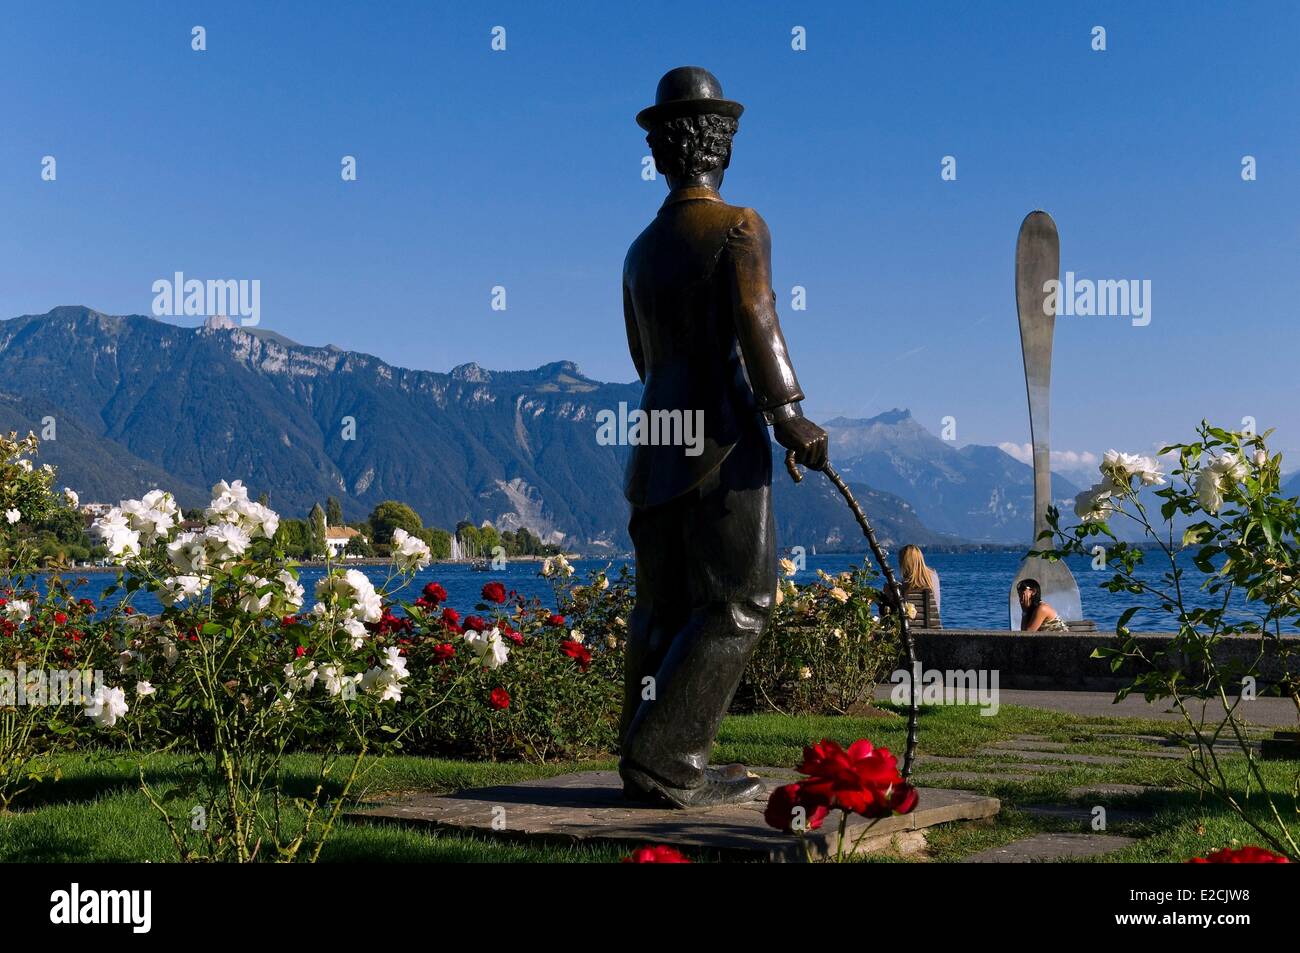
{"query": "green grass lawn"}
[(95, 811)]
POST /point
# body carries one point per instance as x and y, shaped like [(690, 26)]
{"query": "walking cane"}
[(895, 591)]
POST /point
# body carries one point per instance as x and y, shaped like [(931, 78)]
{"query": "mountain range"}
[(136, 403)]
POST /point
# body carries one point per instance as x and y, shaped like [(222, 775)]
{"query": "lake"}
[(974, 586)]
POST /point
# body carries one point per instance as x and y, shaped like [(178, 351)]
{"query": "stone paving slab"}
[(1044, 848), (941, 777), (1082, 816), (588, 806), (1263, 712), (1052, 756), (1102, 790), (1224, 747), (1029, 742), (1117, 736), (993, 769)]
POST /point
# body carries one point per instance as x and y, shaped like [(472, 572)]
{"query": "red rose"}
[(86, 604), (434, 593), (390, 623), (60, 617), (499, 699), (450, 617), (494, 592), (659, 854), (576, 651), (782, 808), (444, 652), (557, 620), (514, 637), (75, 634), (475, 622), (128, 610), (1242, 855), (863, 780), (288, 621), (299, 651)]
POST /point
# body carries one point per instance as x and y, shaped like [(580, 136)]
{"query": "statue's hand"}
[(805, 438)]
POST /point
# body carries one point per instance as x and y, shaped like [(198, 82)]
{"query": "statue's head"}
[(690, 126)]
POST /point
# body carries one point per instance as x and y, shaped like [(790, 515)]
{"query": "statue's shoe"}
[(716, 788)]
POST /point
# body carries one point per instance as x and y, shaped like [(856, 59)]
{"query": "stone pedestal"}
[(588, 806)]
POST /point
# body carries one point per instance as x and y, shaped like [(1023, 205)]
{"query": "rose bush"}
[(516, 678), (825, 648), (48, 644), (1242, 541), (234, 672)]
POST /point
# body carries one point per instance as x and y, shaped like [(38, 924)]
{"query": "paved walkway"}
[(1270, 712), (1265, 712)]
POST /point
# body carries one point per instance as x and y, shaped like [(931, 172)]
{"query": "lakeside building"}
[(337, 537)]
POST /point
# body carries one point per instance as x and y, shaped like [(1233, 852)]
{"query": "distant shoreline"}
[(358, 561)]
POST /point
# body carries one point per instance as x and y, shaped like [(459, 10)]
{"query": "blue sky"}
[(523, 168)]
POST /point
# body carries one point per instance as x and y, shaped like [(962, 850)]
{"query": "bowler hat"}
[(687, 91)]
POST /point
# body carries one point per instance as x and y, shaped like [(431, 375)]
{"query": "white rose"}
[(491, 649), (179, 588), (301, 681), (249, 600), (123, 544), (352, 585), (152, 516), (1095, 504), (336, 681), (144, 689), (556, 565), (225, 542), (357, 631), (409, 552), (107, 705), (386, 680), (71, 498), (293, 591), (188, 553), (18, 610), (1148, 470), (118, 537), (1120, 468), (228, 493), (1209, 490), (13, 516), (1231, 466)]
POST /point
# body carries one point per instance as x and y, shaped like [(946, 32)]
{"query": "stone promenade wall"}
[(1063, 661)]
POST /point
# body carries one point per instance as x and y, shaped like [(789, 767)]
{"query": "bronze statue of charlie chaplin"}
[(703, 333)]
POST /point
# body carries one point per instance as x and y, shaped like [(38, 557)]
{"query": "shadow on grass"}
[(90, 776)]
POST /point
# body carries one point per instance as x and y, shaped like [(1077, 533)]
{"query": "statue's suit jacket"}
[(703, 334)]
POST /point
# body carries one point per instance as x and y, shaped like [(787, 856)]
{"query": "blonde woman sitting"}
[(917, 576)]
